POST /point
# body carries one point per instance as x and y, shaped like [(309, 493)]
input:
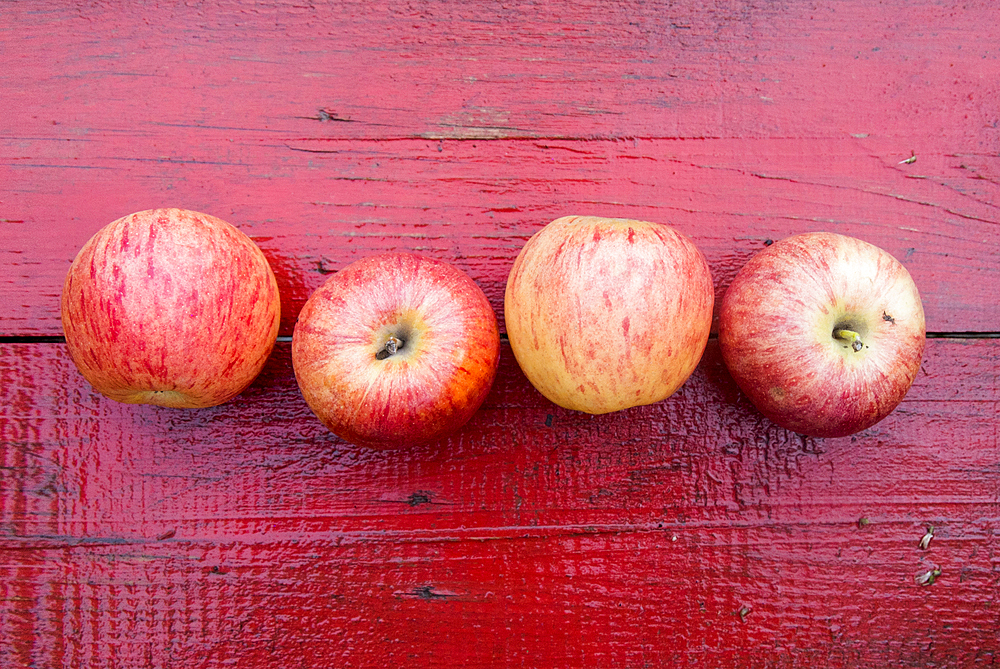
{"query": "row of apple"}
[(824, 333)]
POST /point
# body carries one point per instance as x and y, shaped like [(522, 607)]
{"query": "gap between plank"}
[(285, 339)]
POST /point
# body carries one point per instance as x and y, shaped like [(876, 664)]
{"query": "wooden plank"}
[(537, 536), (474, 203), (330, 131), (922, 71)]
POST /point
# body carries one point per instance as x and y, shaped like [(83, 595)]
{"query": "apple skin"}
[(605, 314), (436, 380), (776, 332), (170, 307)]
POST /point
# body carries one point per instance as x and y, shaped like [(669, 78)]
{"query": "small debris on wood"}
[(744, 612), (925, 541), (928, 578), (863, 523), (909, 161)]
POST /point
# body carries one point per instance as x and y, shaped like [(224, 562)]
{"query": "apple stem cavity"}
[(392, 345), (849, 336)]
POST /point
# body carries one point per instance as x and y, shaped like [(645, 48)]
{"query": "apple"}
[(396, 349), (170, 307), (605, 314), (824, 333)]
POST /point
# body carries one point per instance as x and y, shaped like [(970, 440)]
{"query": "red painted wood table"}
[(691, 532)]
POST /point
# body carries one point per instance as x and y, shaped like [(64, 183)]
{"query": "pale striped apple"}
[(604, 314)]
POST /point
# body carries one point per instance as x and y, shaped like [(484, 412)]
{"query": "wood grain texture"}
[(475, 203), (688, 533), (246, 534), (484, 69)]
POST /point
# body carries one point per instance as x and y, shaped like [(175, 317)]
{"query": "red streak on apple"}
[(396, 349), (824, 333), (170, 307)]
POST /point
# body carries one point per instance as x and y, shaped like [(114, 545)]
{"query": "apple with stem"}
[(170, 307), (604, 314), (396, 349), (823, 332)]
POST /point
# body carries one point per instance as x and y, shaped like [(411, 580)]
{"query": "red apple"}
[(170, 307), (396, 349), (824, 333), (605, 314)]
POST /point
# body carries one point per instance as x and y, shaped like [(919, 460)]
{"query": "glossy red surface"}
[(691, 532)]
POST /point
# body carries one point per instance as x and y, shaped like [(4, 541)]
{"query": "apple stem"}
[(392, 345), (851, 337)]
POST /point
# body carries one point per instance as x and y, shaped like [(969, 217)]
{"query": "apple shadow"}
[(292, 284)]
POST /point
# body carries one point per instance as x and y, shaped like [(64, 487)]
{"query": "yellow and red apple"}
[(396, 349), (605, 314), (823, 332)]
